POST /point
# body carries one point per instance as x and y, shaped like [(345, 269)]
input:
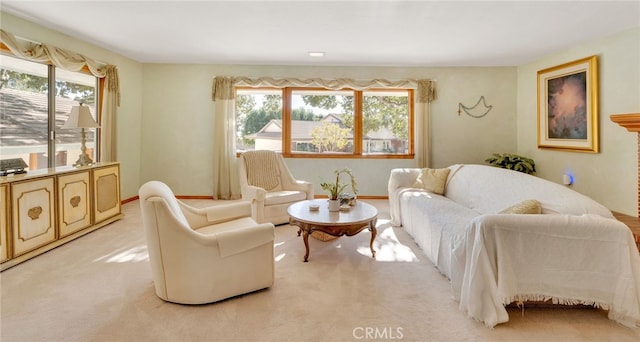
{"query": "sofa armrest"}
[(398, 180), (402, 178)]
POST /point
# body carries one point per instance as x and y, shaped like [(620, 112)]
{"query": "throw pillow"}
[(432, 180), (529, 206)]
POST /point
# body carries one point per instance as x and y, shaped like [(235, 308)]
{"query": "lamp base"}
[(83, 160)]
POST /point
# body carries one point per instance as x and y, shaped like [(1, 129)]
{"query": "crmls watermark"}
[(376, 333)]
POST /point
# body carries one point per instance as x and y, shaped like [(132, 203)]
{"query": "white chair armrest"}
[(200, 217), (301, 185), (253, 193), (196, 217), (237, 241), (228, 212)]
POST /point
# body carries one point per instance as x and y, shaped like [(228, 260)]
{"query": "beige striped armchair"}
[(268, 184)]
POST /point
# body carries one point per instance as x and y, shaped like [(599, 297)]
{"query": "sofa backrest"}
[(489, 189)]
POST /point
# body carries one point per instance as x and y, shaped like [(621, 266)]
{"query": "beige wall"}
[(177, 124), (610, 176), (165, 120), (129, 112)]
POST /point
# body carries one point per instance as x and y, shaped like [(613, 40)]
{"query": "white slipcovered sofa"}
[(574, 252)]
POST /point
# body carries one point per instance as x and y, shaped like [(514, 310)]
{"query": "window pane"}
[(72, 88), (385, 122), (258, 119), (322, 121), (23, 111)]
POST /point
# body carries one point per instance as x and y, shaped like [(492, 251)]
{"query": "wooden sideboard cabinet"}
[(43, 209), (4, 251)]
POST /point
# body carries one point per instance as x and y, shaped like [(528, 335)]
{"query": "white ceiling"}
[(351, 33)]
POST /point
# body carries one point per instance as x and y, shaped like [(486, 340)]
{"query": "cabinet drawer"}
[(74, 207), (33, 213)]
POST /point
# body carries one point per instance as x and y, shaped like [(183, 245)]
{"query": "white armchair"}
[(268, 184), (204, 255)]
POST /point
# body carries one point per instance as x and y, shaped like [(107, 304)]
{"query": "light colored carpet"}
[(99, 288)]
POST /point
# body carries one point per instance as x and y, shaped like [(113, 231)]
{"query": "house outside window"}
[(306, 122), (26, 117)]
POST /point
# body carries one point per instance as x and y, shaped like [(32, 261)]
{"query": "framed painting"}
[(568, 106)]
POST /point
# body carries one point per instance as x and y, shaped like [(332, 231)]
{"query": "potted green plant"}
[(513, 162), (335, 188)]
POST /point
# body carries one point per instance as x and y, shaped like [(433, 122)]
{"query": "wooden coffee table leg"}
[(374, 232), (305, 237)]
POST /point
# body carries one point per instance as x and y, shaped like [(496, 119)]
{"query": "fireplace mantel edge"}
[(629, 121)]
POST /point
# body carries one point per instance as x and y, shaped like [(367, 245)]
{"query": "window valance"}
[(61, 58), (223, 86)]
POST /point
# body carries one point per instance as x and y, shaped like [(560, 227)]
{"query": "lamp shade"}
[(80, 117)]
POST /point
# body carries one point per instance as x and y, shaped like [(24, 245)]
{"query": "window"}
[(26, 116), (322, 121), (386, 122), (304, 122), (258, 119)]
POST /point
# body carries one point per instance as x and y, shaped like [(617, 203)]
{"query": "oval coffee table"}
[(344, 222)]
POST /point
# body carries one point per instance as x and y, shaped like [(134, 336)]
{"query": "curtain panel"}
[(225, 169), (68, 60), (426, 94)]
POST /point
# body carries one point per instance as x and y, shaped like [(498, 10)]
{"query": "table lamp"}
[(80, 117)]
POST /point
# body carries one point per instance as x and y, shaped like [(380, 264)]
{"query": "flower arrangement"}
[(336, 188)]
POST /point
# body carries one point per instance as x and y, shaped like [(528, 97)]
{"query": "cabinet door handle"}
[(34, 213), (74, 201)]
